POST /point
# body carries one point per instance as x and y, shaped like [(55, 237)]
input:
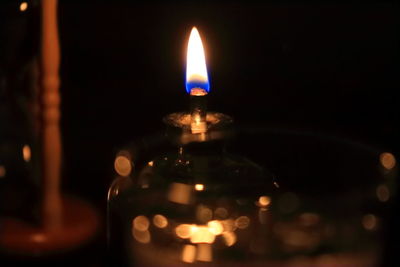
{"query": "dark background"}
[(328, 68)]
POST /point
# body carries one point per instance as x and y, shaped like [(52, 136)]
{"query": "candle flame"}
[(196, 69)]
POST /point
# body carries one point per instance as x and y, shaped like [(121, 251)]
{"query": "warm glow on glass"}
[(122, 165), (369, 221), (229, 238), (204, 252), (26, 153), (23, 6), (309, 219), (142, 236), (160, 221), (141, 223), (203, 213), (242, 222), (383, 193), (221, 213), (215, 227), (185, 230), (188, 253), (202, 234), (199, 187), (228, 225), (388, 161), (264, 201), (196, 69), (180, 193)]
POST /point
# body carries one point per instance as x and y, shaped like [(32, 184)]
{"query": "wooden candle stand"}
[(67, 222)]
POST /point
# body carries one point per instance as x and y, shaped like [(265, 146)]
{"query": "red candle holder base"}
[(79, 225)]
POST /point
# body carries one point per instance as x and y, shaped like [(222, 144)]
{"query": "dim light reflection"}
[(228, 225), (185, 231), (207, 233), (26, 153), (309, 219), (189, 253), (199, 187), (229, 238), (263, 215), (202, 234), (387, 160), (203, 213), (180, 193), (242, 222), (141, 223), (142, 236), (301, 239), (221, 213), (196, 69), (122, 165), (160, 221), (202, 237), (23, 6), (369, 221), (264, 201), (215, 227), (204, 252), (383, 193), (3, 171)]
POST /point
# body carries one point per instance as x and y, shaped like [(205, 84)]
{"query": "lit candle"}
[(197, 84)]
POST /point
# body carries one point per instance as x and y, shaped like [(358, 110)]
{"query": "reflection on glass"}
[(180, 193), (185, 230), (388, 161), (215, 227), (203, 213), (141, 236), (23, 6), (122, 165), (229, 238), (204, 252), (264, 201), (199, 187), (221, 213), (188, 253), (141, 223), (160, 221), (202, 234), (382, 193), (309, 219), (369, 221), (242, 222), (26, 153)]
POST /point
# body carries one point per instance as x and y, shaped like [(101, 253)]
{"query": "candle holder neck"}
[(179, 129)]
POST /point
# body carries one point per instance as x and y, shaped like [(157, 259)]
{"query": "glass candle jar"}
[(256, 197)]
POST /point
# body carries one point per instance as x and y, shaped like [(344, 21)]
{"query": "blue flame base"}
[(196, 84)]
